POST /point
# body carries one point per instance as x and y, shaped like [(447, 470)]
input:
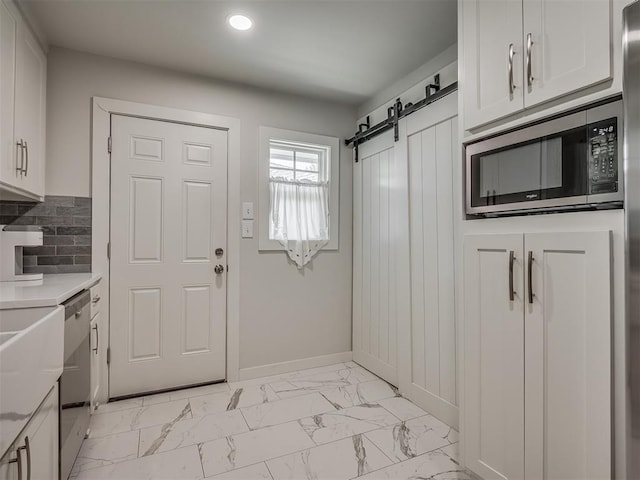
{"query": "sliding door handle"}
[(511, 260), (530, 276)]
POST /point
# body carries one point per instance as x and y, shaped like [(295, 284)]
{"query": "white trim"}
[(102, 108), (269, 133), (294, 365)]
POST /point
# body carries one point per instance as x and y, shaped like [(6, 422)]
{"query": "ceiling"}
[(338, 50)]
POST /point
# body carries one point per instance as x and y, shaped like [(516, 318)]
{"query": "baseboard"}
[(293, 365)]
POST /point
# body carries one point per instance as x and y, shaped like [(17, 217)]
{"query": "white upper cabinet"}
[(568, 44), (521, 53), (492, 59), (23, 83)]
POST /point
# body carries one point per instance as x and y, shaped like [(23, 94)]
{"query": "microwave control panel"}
[(603, 156)]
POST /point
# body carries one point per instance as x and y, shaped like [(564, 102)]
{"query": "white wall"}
[(285, 314)]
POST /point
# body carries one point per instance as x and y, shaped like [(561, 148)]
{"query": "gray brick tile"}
[(73, 250), (84, 221), (55, 260), (55, 220), (60, 200), (73, 230), (29, 261), (74, 268), (74, 211), (82, 240), (41, 269), (44, 250), (58, 239), (82, 201), (82, 260), (39, 210), (8, 209)]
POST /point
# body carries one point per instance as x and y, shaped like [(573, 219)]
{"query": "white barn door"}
[(168, 217), (374, 269), (427, 325)]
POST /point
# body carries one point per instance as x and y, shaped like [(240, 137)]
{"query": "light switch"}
[(247, 210), (247, 228)]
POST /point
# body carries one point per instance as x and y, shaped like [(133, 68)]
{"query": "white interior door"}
[(427, 353), (494, 357), (168, 216), (568, 357), (374, 268)]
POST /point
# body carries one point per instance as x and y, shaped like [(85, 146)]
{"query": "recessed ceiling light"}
[(240, 22)]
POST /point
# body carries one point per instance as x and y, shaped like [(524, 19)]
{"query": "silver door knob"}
[(219, 269)]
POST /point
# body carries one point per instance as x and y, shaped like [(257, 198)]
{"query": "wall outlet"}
[(247, 210), (247, 228)]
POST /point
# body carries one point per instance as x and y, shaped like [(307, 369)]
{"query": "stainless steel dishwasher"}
[(75, 384)]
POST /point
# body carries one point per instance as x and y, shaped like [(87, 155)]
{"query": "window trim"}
[(266, 134)]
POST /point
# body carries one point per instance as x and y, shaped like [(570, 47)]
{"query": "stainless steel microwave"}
[(570, 162)]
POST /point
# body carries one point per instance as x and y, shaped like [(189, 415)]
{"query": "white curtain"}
[(299, 217)]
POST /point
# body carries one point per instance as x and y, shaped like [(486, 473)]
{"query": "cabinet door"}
[(494, 356), (490, 27), (8, 148), (95, 359), (568, 356), (570, 49), (44, 442), (9, 466), (30, 107)]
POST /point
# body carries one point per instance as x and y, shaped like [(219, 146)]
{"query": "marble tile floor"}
[(334, 422)]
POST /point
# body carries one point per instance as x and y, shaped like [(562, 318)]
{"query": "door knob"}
[(219, 252), (219, 269)]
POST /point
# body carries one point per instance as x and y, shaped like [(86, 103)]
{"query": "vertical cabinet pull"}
[(511, 260), (26, 447), (20, 145), (95, 327), (512, 52), (26, 157), (18, 460), (529, 45), (530, 276)]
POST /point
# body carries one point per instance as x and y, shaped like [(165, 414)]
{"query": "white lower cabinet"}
[(537, 339), (34, 454)]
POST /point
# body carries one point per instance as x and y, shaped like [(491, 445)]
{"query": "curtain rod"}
[(396, 112)]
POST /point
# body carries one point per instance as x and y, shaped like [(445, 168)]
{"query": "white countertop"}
[(51, 290)]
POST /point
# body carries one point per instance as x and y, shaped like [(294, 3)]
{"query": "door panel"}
[(374, 319), (428, 330), (568, 357), (494, 357), (8, 150), (566, 56), (489, 27), (168, 307)]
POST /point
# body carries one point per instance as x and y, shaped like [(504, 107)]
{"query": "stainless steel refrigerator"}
[(631, 94)]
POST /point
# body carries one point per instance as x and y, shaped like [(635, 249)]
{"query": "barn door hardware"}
[(433, 93)]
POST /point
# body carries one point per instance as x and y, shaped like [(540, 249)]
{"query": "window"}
[(298, 192)]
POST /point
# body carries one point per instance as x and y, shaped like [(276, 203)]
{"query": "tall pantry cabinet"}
[(537, 364), (23, 84)]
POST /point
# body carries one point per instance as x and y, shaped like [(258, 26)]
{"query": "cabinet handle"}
[(529, 45), (18, 460), (26, 163), (512, 52), (511, 260), (20, 146), (530, 277), (95, 299), (27, 448), (95, 327)]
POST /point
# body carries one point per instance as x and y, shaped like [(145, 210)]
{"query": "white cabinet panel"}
[(568, 357), (570, 49), (8, 148), (494, 357), (490, 27), (30, 116)]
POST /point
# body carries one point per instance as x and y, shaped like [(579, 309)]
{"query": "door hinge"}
[(109, 250), (109, 144), (108, 355)]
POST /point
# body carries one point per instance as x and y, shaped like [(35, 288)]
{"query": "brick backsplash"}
[(66, 224)]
